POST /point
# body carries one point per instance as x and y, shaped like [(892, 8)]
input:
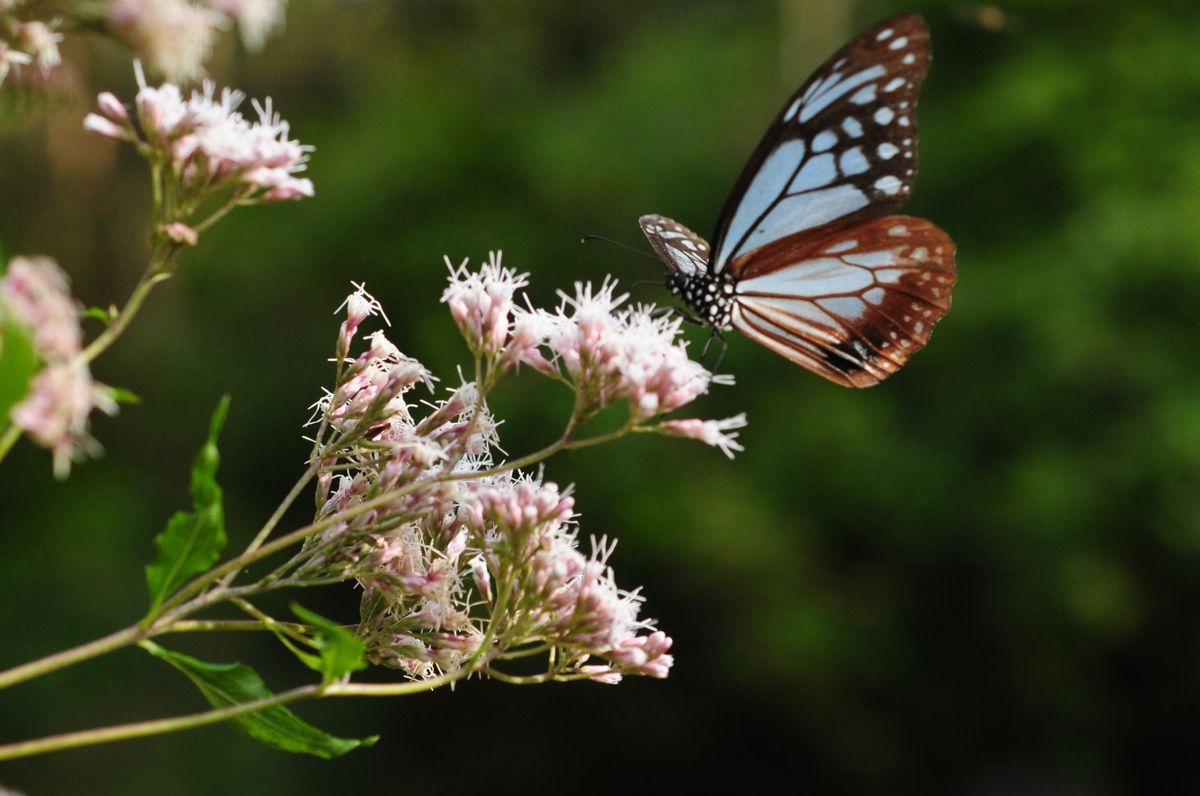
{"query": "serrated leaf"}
[(226, 684), (192, 540), (18, 364), (339, 651)]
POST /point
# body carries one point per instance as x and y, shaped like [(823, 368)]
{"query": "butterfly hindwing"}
[(842, 150), (851, 305)]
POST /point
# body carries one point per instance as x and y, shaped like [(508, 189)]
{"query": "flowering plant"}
[(469, 564)]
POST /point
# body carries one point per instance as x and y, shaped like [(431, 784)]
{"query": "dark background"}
[(980, 577)]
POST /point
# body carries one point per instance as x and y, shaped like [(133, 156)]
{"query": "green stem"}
[(231, 625), (61, 660), (142, 729), (533, 679), (155, 273)]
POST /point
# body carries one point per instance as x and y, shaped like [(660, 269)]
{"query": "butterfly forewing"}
[(851, 305), (842, 150), (681, 249)]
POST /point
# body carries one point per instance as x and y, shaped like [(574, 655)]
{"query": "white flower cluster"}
[(207, 146)]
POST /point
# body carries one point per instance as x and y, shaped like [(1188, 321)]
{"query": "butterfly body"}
[(806, 259)]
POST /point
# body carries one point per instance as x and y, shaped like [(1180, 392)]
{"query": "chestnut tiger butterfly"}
[(807, 259)]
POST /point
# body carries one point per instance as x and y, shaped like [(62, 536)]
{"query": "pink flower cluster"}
[(557, 593), (481, 303), (25, 43), (207, 144), (35, 297), (461, 561), (177, 36), (608, 353)]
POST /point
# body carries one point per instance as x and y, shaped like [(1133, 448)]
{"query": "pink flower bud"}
[(112, 107), (95, 123), (178, 232)]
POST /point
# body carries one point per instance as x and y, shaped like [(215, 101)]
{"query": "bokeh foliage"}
[(982, 576)]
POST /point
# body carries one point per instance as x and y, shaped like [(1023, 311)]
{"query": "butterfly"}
[(806, 258)]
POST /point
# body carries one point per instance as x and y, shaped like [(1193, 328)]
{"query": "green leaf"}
[(120, 394), (226, 684), (18, 364), (192, 540), (96, 313), (339, 651)]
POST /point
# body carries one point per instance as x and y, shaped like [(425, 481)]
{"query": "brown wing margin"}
[(854, 305)]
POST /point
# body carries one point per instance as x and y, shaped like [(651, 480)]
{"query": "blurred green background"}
[(982, 577)]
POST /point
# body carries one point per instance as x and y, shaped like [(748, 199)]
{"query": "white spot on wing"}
[(853, 162), (852, 127), (791, 111), (883, 34), (824, 140), (864, 95), (845, 307), (898, 43), (894, 83), (873, 259), (887, 151), (822, 98), (842, 246), (908, 59), (884, 115), (888, 184)]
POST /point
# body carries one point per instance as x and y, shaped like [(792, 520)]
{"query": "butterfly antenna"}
[(625, 246), (641, 282)]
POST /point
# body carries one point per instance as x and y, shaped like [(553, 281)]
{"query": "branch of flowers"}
[(182, 604), (268, 548)]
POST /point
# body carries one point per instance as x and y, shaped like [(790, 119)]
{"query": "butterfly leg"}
[(663, 312), (715, 335)]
